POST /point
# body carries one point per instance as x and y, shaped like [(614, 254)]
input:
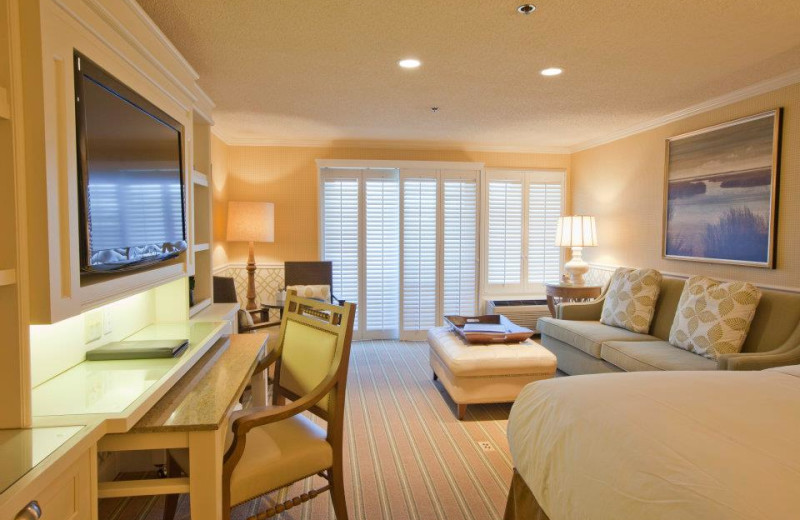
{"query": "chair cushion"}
[(637, 356), (587, 335), (631, 299), (275, 455), (714, 317)]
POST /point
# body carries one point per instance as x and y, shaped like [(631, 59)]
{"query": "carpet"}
[(406, 455)]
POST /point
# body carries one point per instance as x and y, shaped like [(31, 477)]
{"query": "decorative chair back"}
[(314, 343)]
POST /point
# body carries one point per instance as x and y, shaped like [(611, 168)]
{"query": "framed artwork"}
[(721, 192)]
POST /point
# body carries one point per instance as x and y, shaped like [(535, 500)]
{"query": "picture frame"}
[(721, 186)]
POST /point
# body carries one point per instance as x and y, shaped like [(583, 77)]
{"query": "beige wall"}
[(287, 176), (622, 183)]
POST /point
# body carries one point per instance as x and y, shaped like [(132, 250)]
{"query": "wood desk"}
[(193, 414), (566, 292)]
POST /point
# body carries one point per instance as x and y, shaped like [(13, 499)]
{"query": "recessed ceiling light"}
[(409, 63), (552, 71), (526, 8)]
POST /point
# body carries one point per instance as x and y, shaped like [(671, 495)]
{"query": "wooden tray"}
[(513, 333)]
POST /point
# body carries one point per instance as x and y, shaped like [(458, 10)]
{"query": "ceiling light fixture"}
[(552, 71), (526, 9), (409, 63)]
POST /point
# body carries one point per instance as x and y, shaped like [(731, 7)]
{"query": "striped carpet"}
[(406, 456)]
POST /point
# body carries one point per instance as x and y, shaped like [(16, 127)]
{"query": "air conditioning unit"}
[(524, 313)]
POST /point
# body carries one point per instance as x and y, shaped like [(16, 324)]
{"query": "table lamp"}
[(577, 232), (251, 222)]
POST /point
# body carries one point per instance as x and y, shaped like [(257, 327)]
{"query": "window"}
[(420, 253), (522, 214), (404, 246), (340, 244)]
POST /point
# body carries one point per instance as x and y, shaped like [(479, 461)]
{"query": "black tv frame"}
[(83, 66)]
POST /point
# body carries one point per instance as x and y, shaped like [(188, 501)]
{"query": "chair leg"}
[(462, 411), (171, 501), (337, 491)]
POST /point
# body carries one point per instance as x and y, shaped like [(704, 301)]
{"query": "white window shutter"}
[(504, 232), (460, 246), (544, 208), (419, 290), (382, 254), (340, 209)]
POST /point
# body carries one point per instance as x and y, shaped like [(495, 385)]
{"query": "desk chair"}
[(273, 447)]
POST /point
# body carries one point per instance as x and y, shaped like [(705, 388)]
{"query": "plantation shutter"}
[(460, 245), (340, 229), (504, 232), (419, 251), (544, 208), (382, 254)]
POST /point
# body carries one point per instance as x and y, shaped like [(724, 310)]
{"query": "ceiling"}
[(321, 71)]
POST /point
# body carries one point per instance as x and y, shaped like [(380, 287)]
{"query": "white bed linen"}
[(662, 445)]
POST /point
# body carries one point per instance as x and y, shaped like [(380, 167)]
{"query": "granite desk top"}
[(200, 400)]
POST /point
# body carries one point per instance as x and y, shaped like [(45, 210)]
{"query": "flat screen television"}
[(131, 192)]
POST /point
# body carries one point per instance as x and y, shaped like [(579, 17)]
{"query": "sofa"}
[(583, 345)]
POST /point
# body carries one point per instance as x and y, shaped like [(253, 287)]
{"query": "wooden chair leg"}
[(337, 491), (462, 411), (171, 501)]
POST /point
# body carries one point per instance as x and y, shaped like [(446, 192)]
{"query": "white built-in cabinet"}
[(40, 279), (121, 41)]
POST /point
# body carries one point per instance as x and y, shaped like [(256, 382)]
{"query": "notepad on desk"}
[(142, 349)]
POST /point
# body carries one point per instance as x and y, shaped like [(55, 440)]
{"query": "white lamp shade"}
[(251, 222), (576, 231)]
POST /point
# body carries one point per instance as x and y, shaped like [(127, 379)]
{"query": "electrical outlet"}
[(486, 446), (93, 326), (106, 321)]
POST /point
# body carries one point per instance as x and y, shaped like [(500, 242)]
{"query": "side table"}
[(565, 292)]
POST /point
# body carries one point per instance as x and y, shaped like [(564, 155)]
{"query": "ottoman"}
[(496, 373)]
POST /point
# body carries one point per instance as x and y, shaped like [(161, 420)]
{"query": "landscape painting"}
[(721, 191)]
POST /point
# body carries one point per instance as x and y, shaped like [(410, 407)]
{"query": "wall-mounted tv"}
[(130, 174)]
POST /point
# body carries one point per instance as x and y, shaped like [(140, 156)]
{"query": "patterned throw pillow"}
[(316, 292), (631, 299), (713, 317)]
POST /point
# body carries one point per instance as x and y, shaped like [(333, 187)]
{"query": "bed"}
[(671, 445)]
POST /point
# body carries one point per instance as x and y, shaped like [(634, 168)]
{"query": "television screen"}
[(130, 169)]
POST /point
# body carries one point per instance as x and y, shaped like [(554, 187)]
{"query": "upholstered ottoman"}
[(474, 374)]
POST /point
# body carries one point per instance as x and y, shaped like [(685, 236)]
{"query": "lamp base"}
[(577, 267), (251, 279)]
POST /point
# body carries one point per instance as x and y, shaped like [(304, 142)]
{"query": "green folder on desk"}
[(144, 349)]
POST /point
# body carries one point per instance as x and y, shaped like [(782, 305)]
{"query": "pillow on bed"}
[(713, 317), (631, 299)]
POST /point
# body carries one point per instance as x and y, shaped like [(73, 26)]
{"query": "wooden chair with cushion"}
[(273, 447)]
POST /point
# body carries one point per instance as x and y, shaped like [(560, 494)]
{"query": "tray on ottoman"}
[(499, 329)]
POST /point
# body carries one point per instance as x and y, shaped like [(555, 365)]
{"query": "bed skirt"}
[(521, 504)]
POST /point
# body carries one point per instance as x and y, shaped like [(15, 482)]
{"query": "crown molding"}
[(762, 87), (389, 144)]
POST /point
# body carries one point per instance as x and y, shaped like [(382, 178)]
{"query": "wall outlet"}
[(93, 326), (486, 446), (106, 321)]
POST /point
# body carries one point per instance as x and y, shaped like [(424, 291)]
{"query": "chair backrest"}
[(308, 273), (224, 290), (314, 343)]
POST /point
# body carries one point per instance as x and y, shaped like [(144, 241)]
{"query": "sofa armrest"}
[(583, 311), (759, 360)]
